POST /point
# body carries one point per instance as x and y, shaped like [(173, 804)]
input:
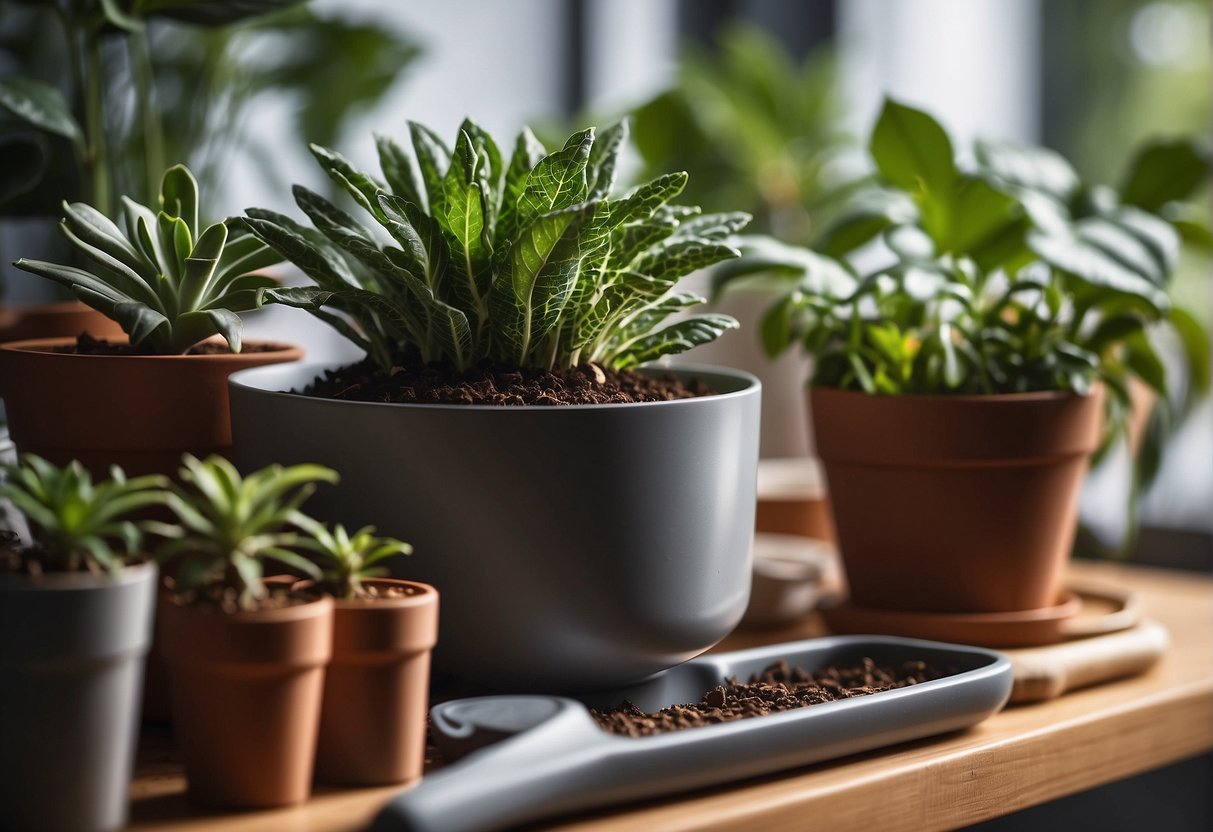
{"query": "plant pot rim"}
[(427, 596), (252, 379), (1032, 396), (46, 346), (63, 581)]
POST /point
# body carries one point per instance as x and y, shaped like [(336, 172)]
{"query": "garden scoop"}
[(525, 757)]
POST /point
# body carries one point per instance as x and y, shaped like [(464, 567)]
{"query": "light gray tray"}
[(529, 757)]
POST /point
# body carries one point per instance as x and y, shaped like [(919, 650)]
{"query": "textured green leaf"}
[(422, 239), (40, 105), (527, 299), (357, 184), (604, 160), (1093, 265), (398, 170), (642, 202), (318, 261), (528, 151), (433, 159), (464, 221), (678, 258), (675, 338), (558, 181)]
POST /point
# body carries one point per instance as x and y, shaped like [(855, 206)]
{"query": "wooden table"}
[(1024, 756)]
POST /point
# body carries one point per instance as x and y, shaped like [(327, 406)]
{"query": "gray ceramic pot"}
[(575, 547), (71, 673)]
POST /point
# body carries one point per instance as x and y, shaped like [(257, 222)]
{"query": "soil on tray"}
[(494, 385), (88, 345), (780, 687)]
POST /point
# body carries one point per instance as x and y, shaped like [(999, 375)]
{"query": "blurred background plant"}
[(99, 97)]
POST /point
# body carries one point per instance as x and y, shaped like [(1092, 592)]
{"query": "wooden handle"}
[(1048, 672)]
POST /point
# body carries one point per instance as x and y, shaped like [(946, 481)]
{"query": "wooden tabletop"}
[(1026, 755)]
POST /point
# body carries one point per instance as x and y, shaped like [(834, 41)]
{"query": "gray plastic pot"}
[(575, 547), (72, 648)]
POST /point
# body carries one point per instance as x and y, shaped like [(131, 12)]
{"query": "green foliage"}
[(758, 132), (77, 524), (346, 560), (1011, 277), (168, 283), (231, 525), (524, 260)]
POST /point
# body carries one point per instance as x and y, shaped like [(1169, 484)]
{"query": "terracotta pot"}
[(137, 411), (245, 691), (71, 667), (376, 689), (955, 503), (64, 319)]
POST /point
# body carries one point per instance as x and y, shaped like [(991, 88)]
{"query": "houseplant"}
[(246, 662), (171, 285), (75, 623), (376, 687), (575, 546), (959, 386)]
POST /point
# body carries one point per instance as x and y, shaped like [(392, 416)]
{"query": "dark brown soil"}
[(88, 345), (588, 384), (778, 688), (217, 598)]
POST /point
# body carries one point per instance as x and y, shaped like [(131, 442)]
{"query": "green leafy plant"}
[(346, 560), (167, 283), (757, 131), (989, 284), (231, 525), (72, 102), (523, 260), (76, 524)]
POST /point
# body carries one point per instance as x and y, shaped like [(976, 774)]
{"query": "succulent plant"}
[(76, 524), (167, 283), (230, 525), (346, 560), (524, 261)]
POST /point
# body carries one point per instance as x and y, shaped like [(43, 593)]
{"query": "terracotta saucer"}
[(1002, 629)]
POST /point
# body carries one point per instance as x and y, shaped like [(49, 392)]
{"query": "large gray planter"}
[(575, 547), (71, 673)]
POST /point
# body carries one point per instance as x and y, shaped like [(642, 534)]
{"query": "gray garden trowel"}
[(521, 758)]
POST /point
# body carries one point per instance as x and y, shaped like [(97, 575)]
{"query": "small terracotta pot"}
[(138, 411), (245, 691), (955, 503), (63, 319), (376, 690)]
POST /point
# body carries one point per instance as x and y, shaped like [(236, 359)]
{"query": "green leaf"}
[(179, 196), (528, 151), (1165, 170), (911, 150), (1140, 357), (981, 214), (604, 159), (1029, 166), (398, 170), (542, 266), (42, 106), (558, 181), (675, 338), (464, 220), (1094, 266), (678, 258), (433, 158)]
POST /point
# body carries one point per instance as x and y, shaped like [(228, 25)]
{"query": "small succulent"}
[(165, 281), (524, 260), (346, 560), (78, 525), (230, 525)]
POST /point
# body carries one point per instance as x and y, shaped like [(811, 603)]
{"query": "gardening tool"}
[(527, 757)]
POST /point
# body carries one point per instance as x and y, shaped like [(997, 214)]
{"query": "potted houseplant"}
[(246, 661), (75, 623), (171, 285), (575, 546), (961, 381), (376, 687)]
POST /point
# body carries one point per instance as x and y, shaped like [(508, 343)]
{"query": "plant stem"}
[(148, 114), (98, 158)]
